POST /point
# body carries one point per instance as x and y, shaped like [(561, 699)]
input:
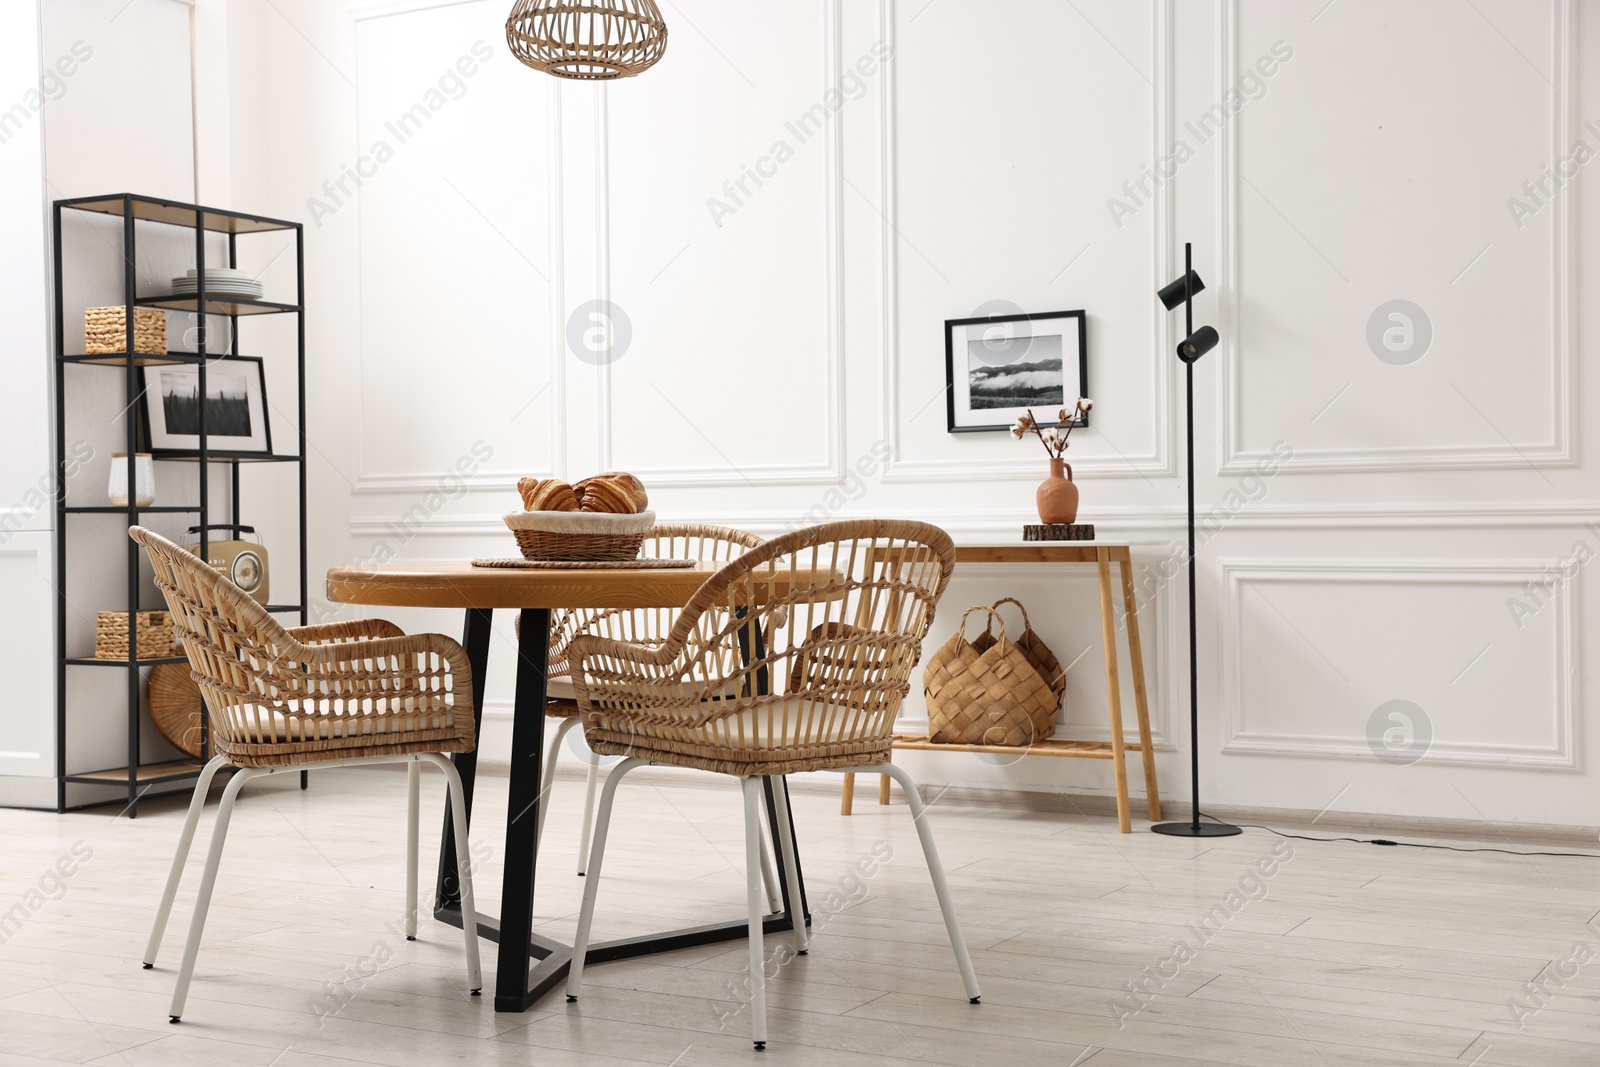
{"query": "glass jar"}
[(144, 474)]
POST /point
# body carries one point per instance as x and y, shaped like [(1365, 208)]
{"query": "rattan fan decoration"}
[(175, 707), (587, 40)]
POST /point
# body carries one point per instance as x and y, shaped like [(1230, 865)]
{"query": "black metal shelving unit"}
[(135, 774)]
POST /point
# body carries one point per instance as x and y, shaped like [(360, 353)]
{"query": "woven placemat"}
[(586, 564)]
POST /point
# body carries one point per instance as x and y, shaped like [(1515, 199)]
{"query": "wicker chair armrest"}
[(655, 660), (379, 648), (335, 632), (611, 677), (363, 662), (640, 665)]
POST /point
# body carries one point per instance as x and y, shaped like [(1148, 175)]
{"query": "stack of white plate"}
[(220, 281)]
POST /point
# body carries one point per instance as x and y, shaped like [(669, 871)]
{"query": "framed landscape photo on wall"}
[(1000, 366), (235, 406)]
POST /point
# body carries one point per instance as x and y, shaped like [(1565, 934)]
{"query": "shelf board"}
[(117, 359), (284, 607), (177, 213), (1050, 746), (95, 661), (216, 305), (186, 455), (144, 774), (155, 509)]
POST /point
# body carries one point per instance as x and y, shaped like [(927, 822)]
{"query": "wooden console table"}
[(1102, 554)]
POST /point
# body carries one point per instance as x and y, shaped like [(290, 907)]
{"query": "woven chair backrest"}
[(811, 638), (263, 687), (649, 626)]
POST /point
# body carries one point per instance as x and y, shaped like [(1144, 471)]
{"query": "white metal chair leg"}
[(591, 888), (769, 878), (780, 796), (930, 852), (413, 810), (469, 908), (208, 881), (752, 862), (180, 857), (547, 777), (591, 780)]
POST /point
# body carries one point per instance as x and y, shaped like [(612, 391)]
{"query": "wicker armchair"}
[(333, 695), (648, 626), (793, 657)]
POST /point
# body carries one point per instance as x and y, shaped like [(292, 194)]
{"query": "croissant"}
[(624, 480), (547, 494), (604, 494)]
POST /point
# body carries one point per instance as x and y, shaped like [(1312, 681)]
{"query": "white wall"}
[(27, 731), (27, 720), (774, 351), (98, 100)]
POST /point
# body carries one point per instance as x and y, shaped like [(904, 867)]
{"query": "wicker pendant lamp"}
[(588, 40)]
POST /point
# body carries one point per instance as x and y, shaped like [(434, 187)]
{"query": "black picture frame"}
[(162, 442), (961, 417)]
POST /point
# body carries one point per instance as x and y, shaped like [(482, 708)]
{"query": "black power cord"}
[(1404, 844)]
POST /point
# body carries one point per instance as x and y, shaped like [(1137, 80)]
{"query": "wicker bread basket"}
[(579, 536)]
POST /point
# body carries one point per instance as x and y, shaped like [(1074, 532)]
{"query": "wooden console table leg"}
[(848, 796), (1130, 607), (1108, 629)]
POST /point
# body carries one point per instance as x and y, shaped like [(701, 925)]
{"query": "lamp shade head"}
[(1172, 293), (587, 40), (1198, 344)]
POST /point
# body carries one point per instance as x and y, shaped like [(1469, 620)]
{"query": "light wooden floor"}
[(1356, 955)]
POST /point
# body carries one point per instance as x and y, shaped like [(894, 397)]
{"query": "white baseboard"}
[(1294, 820)]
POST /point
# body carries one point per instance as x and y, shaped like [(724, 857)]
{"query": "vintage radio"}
[(243, 562)]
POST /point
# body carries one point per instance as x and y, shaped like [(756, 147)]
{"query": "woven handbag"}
[(993, 695), (1031, 645)]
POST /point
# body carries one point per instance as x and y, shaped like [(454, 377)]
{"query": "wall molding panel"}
[(371, 482), (1310, 518), (1238, 575), (1162, 462), (832, 470), (1559, 450)]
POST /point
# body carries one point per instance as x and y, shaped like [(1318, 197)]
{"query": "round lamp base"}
[(1189, 829)]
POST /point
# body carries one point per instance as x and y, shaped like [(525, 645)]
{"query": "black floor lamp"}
[(1194, 345)]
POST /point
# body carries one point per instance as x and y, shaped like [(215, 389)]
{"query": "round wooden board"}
[(175, 707)]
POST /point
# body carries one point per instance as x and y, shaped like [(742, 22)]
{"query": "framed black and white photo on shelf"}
[(235, 406), (1000, 366)]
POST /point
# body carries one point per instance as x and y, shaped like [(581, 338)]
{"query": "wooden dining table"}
[(535, 593)]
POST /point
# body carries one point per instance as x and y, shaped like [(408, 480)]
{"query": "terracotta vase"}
[(1058, 496)]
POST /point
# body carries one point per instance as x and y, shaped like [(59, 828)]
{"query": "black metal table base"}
[(519, 983), (555, 958)]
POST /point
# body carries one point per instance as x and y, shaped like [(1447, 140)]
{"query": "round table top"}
[(458, 584)]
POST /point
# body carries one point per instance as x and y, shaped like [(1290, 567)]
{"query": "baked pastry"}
[(605, 494), (623, 480), (547, 494)]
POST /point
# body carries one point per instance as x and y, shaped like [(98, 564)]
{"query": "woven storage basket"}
[(111, 635), (105, 331), (579, 536), (1031, 645), (987, 696)]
